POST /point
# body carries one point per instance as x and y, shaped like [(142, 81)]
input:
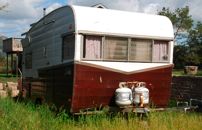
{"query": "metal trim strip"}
[(86, 32)]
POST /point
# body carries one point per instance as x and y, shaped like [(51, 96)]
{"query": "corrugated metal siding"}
[(48, 36)]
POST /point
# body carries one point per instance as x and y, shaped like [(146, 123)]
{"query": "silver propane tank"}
[(123, 95), (140, 94)]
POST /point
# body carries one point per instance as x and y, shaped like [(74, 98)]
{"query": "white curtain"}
[(93, 45), (160, 51)]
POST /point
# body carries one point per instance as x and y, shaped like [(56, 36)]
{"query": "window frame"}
[(83, 47), (169, 47), (116, 60), (62, 47), (129, 49), (26, 60), (151, 51)]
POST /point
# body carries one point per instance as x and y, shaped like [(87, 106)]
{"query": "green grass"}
[(8, 79), (9, 75), (199, 73), (15, 115), (173, 103)]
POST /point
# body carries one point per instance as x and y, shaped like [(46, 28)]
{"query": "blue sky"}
[(24, 12)]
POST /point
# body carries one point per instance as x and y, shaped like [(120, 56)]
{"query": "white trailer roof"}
[(109, 21)]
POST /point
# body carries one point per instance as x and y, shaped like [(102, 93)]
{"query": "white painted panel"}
[(123, 22), (125, 66), (78, 48), (171, 51)]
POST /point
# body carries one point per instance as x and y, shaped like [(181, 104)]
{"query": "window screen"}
[(160, 51), (68, 47), (141, 50), (116, 48), (92, 47), (28, 60)]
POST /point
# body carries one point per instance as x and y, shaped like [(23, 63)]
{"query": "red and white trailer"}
[(76, 56)]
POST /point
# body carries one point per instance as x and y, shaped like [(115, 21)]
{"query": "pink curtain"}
[(93, 47), (160, 50)]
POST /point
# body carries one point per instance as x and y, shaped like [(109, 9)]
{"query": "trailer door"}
[(49, 59)]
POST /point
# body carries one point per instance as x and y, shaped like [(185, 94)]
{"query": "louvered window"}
[(141, 50), (116, 48), (108, 48), (28, 60)]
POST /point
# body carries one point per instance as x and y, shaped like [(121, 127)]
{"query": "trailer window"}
[(68, 47), (160, 50), (92, 47), (28, 60), (116, 48), (141, 50)]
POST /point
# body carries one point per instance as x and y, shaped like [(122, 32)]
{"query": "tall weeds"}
[(15, 115)]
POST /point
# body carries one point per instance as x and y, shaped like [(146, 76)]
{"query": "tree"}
[(2, 58), (194, 43), (3, 7), (182, 24), (180, 18)]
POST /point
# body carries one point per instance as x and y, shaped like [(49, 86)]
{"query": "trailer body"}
[(76, 56)]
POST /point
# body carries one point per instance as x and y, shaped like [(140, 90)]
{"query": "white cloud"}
[(52, 7), (22, 14), (8, 25), (151, 8), (21, 9), (146, 6)]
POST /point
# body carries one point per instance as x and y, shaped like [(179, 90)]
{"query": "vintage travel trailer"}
[(76, 56)]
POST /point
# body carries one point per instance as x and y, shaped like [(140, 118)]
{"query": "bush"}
[(4, 70)]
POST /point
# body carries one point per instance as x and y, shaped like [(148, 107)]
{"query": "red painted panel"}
[(89, 91)]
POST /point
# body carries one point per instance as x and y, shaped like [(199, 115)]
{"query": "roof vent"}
[(100, 6), (44, 11)]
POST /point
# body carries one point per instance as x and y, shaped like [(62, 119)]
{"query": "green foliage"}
[(4, 79), (4, 7), (26, 115), (199, 73), (2, 59), (179, 56), (4, 70), (188, 51), (180, 18), (173, 103), (194, 44)]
